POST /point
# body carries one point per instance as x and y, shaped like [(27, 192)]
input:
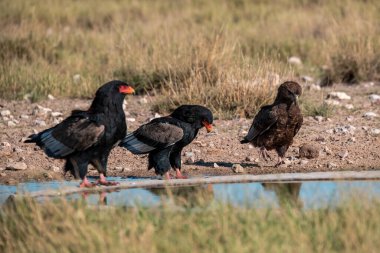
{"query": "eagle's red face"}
[(125, 89), (207, 125)]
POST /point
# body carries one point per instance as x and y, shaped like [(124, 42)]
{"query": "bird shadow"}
[(224, 164)]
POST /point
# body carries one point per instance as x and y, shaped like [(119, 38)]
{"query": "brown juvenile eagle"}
[(275, 125)]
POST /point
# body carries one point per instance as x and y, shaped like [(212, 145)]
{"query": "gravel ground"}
[(347, 140)]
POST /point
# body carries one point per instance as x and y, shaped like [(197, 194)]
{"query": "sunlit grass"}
[(26, 226), (190, 51)]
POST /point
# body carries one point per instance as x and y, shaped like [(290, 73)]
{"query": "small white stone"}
[(303, 162), (216, 165), (40, 110), (369, 115), (5, 118), (51, 97), (327, 151), (308, 79), (189, 154), (130, 119), (374, 98), (23, 116), (16, 166), (11, 124), (5, 144), (56, 114), (54, 168), (338, 95), (294, 60), (143, 100), (157, 115), (331, 165), (250, 146), (375, 131), (343, 154), (18, 150), (39, 122), (319, 118), (349, 106), (237, 168), (5, 113)]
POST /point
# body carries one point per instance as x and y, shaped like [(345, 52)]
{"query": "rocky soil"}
[(349, 139)]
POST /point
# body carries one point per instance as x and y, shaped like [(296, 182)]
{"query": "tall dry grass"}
[(27, 226), (224, 54)]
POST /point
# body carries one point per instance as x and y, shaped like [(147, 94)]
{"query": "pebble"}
[(143, 100), (374, 98), (250, 146), (349, 106), (303, 162), (39, 122), (5, 118), (332, 102), (189, 154), (308, 79), (23, 116), (338, 95), (130, 119), (216, 165), (51, 97), (294, 60), (369, 115), (237, 168), (56, 114), (343, 155), (320, 139), (348, 129), (5, 113), (375, 131), (250, 159), (5, 144), (16, 166), (18, 150), (319, 118), (327, 151), (308, 151), (54, 168), (157, 115), (40, 110), (2, 174), (331, 165), (11, 123)]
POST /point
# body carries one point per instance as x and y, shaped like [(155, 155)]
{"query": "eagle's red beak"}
[(125, 89), (207, 125)]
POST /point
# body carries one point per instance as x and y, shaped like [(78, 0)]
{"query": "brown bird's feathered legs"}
[(264, 154)]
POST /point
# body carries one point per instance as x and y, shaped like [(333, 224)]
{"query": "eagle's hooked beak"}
[(125, 89), (207, 125)]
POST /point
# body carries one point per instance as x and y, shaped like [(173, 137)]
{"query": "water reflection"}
[(306, 195), (191, 196), (288, 194)]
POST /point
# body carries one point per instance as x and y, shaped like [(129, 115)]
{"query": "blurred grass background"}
[(28, 226), (228, 55)]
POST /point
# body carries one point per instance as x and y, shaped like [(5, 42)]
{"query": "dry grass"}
[(224, 54), (26, 226)]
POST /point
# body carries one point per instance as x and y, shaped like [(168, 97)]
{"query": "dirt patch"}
[(347, 140)]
